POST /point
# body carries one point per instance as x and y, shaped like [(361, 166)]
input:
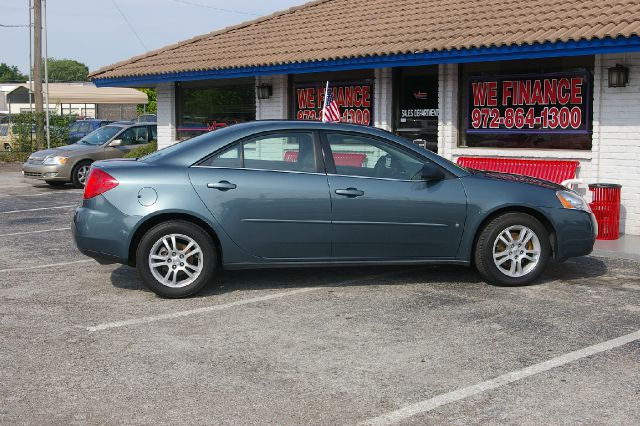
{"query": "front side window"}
[(369, 157), (281, 152), (134, 136)]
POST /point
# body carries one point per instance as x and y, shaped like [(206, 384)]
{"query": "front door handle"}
[(223, 185), (350, 192)]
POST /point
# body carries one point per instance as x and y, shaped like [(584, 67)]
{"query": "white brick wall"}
[(166, 114), (616, 130), (615, 156), (382, 98), (277, 106)]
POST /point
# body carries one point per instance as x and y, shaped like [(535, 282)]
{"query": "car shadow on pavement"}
[(584, 268)]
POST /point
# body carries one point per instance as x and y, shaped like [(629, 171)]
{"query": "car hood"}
[(520, 179), (67, 150)]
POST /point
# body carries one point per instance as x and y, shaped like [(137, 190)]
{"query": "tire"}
[(501, 260), (55, 183), (178, 273), (80, 173)]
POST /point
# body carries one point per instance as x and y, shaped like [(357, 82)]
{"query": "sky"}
[(94, 31)]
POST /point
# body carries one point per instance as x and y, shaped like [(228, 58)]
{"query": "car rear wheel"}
[(176, 259), (80, 173), (513, 249)]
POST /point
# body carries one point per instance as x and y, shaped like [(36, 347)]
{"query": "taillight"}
[(98, 183)]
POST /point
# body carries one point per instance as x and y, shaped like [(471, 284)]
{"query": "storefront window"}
[(203, 107), (416, 110), (352, 91), (541, 104)]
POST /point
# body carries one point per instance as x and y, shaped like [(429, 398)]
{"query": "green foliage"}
[(23, 127), (63, 70), (152, 106), (13, 157), (11, 74), (142, 150)]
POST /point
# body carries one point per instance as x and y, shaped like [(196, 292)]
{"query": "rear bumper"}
[(576, 232), (102, 232)]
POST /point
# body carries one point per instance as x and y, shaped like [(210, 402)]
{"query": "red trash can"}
[(606, 208)]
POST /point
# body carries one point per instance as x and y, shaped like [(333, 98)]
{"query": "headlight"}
[(571, 200), (55, 160)]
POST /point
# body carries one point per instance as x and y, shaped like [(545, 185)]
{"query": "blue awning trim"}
[(484, 54)]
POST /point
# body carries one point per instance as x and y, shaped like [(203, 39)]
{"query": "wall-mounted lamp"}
[(618, 76), (265, 91)]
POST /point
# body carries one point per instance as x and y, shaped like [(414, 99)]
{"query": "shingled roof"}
[(336, 29)]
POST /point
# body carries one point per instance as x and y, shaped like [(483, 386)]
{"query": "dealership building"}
[(542, 79)]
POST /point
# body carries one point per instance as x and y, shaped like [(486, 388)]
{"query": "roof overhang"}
[(484, 54)]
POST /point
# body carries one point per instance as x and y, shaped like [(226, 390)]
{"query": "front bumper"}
[(576, 232), (46, 172)]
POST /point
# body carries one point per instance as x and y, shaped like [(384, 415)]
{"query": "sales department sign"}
[(540, 103), (354, 99)]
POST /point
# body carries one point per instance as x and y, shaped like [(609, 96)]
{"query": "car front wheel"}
[(176, 259), (513, 249), (80, 173)]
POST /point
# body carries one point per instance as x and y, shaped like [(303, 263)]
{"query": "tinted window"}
[(284, 152), (134, 136), (154, 132), (369, 157)]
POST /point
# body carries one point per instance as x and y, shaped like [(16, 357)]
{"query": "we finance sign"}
[(354, 99), (540, 103)]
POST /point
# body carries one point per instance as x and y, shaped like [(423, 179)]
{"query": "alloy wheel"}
[(175, 260), (516, 251)]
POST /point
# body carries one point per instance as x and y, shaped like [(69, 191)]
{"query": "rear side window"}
[(281, 152)]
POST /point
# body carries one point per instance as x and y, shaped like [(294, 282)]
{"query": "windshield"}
[(100, 136)]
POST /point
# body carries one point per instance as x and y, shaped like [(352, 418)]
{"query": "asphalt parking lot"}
[(85, 343)]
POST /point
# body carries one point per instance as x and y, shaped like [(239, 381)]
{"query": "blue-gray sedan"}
[(286, 194)]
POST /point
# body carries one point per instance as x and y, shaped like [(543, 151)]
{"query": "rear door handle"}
[(350, 192), (223, 185)]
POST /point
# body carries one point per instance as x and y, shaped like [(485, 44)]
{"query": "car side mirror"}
[(115, 142), (431, 173)]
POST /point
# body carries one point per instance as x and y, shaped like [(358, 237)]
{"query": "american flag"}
[(330, 111)]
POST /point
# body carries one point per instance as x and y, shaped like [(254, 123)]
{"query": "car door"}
[(130, 138), (270, 195), (381, 207)]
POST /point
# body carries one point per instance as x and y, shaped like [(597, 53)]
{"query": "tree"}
[(152, 106), (11, 74), (63, 70)]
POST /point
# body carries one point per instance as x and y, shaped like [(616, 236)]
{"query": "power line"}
[(129, 23), (190, 3)]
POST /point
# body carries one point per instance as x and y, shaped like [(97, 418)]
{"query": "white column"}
[(277, 106), (166, 114), (448, 106), (382, 98)]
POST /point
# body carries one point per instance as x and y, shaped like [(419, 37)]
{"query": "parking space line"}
[(50, 265), (40, 194), (514, 376), (34, 232), (207, 309), (40, 209)]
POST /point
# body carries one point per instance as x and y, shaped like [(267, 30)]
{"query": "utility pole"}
[(37, 71)]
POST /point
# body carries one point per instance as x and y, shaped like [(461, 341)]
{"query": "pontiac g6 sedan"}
[(287, 194)]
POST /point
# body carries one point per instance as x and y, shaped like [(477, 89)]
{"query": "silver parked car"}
[(71, 163)]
